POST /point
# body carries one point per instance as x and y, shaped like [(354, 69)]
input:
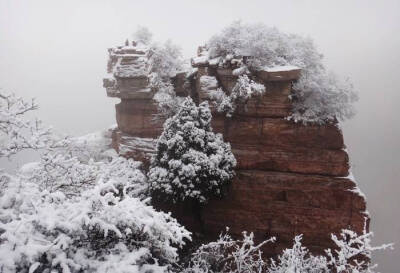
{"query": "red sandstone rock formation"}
[(291, 179)]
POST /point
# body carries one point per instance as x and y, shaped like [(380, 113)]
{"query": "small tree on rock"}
[(191, 161)]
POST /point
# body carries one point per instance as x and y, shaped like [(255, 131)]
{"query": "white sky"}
[(56, 51)]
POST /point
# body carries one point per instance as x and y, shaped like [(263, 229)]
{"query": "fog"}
[(56, 51)]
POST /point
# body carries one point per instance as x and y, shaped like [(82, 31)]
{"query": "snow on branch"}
[(65, 214), (143, 35), (17, 132), (244, 89), (229, 255), (102, 230), (355, 248), (318, 97), (81, 208), (191, 161), (164, 62), (352, 254)]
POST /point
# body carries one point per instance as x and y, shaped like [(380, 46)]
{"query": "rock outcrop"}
[(290, 179)]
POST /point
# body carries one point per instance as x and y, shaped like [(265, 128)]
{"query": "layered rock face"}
[(290, 178)]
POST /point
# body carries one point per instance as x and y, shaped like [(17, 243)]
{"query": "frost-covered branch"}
[(165, 61), (17, 132), (143, 35), (102, 230), (229, 255), (319, 96), (81, 208), (352, 254), (244, 89), (298, 259), (68, 214)]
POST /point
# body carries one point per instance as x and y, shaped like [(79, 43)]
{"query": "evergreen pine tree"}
[(191, 161)]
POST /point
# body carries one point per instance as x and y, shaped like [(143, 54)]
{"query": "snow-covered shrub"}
[(228, 255), (191, 161), (72, 216), (104, 230), (62, 172), (298, 259), (351, 255), (77, 211), (354, 252), (18, 132), (318, 95), (143, 35), (164, 62), (125, 177), (96, 146), (243, 90)]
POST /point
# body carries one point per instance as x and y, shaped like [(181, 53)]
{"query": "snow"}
[(17, 132), (318, 97), (351, 177), (230, 255), (165, 62), (214, 61), (208, 83), (28, 168), (281, 68), (55, 227), (243, 90), (356, 189), (137, 69), (200, 60), (192, 72), (240, 71), (351, 254), (93, 229), (191, 162), (152, 61), (81, 208), (143, 36), (95, 140)]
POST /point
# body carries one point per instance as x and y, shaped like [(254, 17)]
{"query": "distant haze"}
[(56, 51)]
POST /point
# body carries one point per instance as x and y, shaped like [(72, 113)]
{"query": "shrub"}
[(351, 255), (102, 230), (18, 132), (318, 96), (243, 90), (80, 208), (164, 62), (229, 255), (191, 161)]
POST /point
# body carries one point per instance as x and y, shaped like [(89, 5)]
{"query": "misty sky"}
[(56, 51)]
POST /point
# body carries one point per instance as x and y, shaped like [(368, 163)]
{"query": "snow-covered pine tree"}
[(191, 161)]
